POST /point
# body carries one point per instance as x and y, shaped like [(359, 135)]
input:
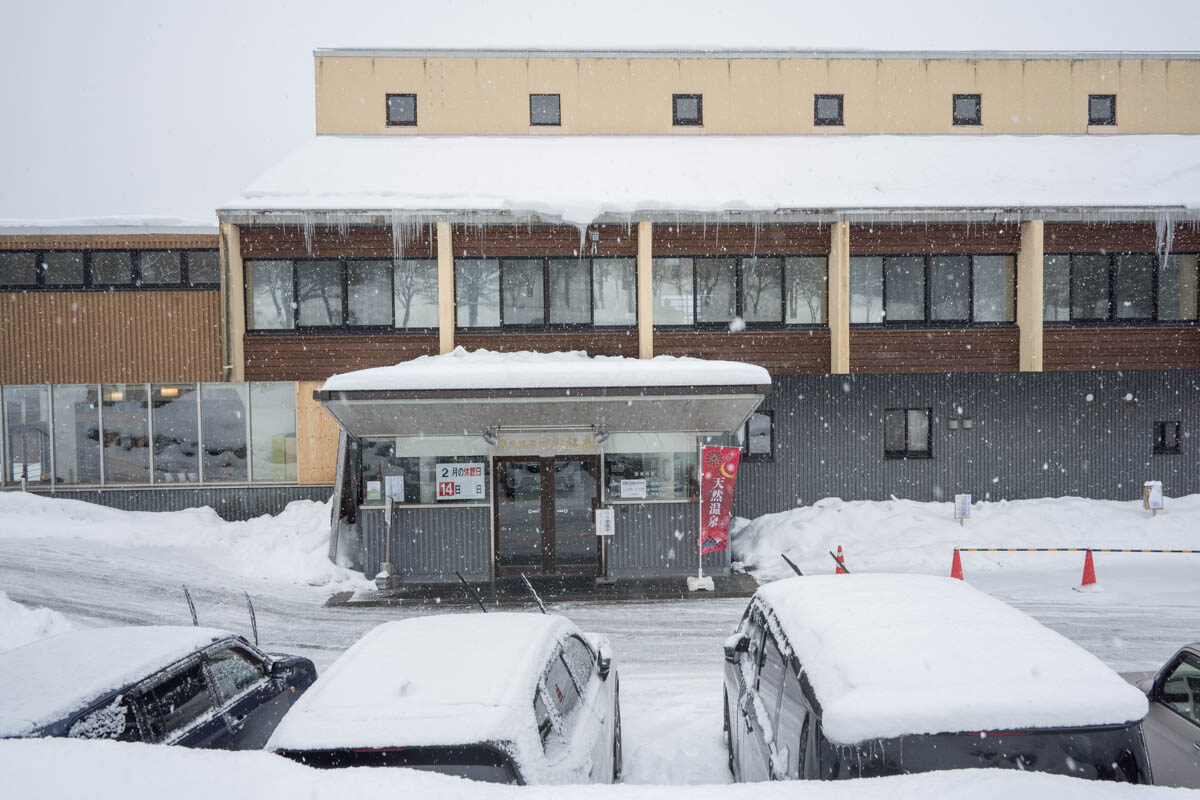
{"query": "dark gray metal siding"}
[(657, 539), (230, 502), (429, 544), (1034, 435)]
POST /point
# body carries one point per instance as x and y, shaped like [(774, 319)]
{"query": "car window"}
[(177, 702), (542, 714), (234, 672), (770, 679), (753, 657), (115, 720), (1181, 689), (561, 690), (580, 660), (791, 739)]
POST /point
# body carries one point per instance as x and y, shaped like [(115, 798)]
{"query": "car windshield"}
[(1112, 753), (474, 762)]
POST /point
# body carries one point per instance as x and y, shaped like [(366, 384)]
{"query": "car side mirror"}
[(735, 648), (604, 660), (281, 669)]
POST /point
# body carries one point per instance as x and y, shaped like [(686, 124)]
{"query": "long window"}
[(1119, 288), (315, 294), (761, 291), (545, 292), (105, 270), (932, 289)]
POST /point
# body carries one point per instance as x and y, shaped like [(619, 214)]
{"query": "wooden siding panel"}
[(97, 337), (1073, 238), (935, 350), (317, 356), (146, 241), (787, 352), (596, 343), (515, 241), (1121, 348), (316, 438), (359, 241), (699, 240), (897, 239)]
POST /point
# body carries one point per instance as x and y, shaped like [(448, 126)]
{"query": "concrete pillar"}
[(233, 304), (839, 298), (645, 290), (1029, 294), (445, 259)]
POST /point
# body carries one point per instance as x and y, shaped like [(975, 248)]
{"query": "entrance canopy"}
[(482, 393)]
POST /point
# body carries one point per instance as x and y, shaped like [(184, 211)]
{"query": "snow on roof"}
[(889, 655), (484, 369), (630, 174), (437, 680), (67, 672)]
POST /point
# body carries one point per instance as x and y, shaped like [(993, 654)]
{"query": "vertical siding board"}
[(430, 544), (229, 502)]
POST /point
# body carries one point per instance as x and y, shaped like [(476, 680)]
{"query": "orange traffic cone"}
[(1089, 570), (841, 563), (956, 566)]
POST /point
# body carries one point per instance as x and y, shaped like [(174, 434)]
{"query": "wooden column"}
[(445, 259), (316, 437), (645, 290), (839, 298), (233, 304), (1029, 294)]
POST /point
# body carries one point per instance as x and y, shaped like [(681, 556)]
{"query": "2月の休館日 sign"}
[(461, 481)]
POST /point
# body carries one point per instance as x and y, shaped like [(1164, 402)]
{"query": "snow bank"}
[(20, 625), (289, 548), (909, 536), (485, 369), (34, 768)]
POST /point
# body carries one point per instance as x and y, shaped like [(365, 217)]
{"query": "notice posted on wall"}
[(962, 506), (374, 491), (461, 481), (394, 485), (1154, 499), (635, 488), (606, 522)]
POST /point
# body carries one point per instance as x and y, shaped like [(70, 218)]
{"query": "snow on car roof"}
[(632, 174), (889, 655), (437, 680), (65, 673), (484, 369)]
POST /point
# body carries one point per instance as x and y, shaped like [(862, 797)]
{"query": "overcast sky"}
[(155, 108)]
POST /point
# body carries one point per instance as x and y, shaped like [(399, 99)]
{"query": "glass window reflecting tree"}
[(524, 299), (614, 291), (416, 293), (570, 291), (762, 289), (369, 293), (866, 289), (269, 295), (319, 298), (673, 298), (806, 287), (477, 292), (716, 289)]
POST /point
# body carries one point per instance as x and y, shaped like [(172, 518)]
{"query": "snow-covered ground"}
[(98, 566)]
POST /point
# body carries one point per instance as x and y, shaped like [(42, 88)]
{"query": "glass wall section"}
[(935, 289), (1056, 288), (18, 269), (273, 431), (159, 266), (269, 295), (673, 298), (415, 284), (1089, 287), (716, 289), (1134, 286), (176, 425), (224, 412), (112, 267), (369, 295), (62, 269), (904, 288), (1177, 286), (866, 289), (806, 287), (614, 291), (415, 459), (994, 288), (665, 461), (570, 291), (762, 289), (76, 434), (27, 434), (477, 292), (524, 295), (319, 294), (1119, 287), (950, 288), (126, 432)]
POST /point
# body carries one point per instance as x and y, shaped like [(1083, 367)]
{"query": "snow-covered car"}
[(1172, 727), (198, 687), (500, 697), (847, 676)]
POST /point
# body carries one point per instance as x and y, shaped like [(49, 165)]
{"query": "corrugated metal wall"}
[(1033, 435), (230, 502), (111, 337), (429, 544), (657, 539)]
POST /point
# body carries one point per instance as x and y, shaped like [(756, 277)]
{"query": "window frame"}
[(676, 120), (387, 113), (908, 454), (974, 121), (1160, 435), (839, 121), (1111, 119), (769, 413), (558, 118), (1112, 320), (134, 285), (928, 321)]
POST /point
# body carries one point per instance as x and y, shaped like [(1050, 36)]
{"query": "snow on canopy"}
[(631, 174), (485, 369), (66, 673), (889, 655)]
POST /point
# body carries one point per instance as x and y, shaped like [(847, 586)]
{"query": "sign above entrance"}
[(460, 481), (536, 443)]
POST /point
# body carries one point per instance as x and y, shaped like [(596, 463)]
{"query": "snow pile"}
[(289, 548), (20, 625), (485, 369), (909, 536)]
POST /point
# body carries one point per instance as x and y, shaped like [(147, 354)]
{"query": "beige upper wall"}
[(462, 94)]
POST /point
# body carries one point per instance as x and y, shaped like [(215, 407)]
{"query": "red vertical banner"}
[(717, 477)]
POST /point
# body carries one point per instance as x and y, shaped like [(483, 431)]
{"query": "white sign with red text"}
[(461, 481)]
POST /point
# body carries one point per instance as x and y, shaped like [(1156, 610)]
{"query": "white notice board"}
[(461, 481), (962, 506), (633, 488), (606, 522)]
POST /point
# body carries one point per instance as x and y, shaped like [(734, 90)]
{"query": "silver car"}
[(1172, 728)]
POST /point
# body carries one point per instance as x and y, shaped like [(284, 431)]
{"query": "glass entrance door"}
[(519, 519), (544, 514), (576, 486)]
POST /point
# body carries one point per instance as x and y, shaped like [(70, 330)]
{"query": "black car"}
[(198, 687)]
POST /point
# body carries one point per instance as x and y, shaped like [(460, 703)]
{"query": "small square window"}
[(758, 437), (907, 433), (827, 109), (1166, 438), (687, 109), (401, 109), (544, 109), (1102, 109), (967, 109)]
